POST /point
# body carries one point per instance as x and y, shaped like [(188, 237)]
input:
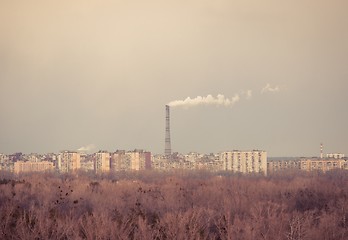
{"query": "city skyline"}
[(97, 75)]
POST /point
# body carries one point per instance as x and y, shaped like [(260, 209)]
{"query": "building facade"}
[(335, 155), (69, 161), (102, 162), (283, 165), (21, 166), (119, 161), (318, 164), (244, 161), (139, 160), (307, 164), (131, 160)]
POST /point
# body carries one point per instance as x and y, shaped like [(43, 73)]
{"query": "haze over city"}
[(98, 74)]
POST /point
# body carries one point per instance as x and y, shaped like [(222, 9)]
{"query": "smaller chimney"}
[(321, 150)]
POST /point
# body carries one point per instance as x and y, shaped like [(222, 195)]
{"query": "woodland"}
[(174, 205)]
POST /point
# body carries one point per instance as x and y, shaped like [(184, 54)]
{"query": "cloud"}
[(268, 88)]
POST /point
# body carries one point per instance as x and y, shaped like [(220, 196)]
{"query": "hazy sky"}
[(74, 73)]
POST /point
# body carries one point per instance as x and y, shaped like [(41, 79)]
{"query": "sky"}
[(97, 75)]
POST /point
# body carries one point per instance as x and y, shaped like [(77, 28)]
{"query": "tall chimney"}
[(167, 148)]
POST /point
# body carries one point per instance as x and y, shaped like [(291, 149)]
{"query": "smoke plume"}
[(268, 88), (247, 94), (219, 100), (87, 148)]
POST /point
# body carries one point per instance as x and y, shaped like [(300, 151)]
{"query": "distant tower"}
[(321, 150), (167, 148)]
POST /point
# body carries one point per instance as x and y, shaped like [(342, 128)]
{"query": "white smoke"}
[(87, 148), (268, 88), (219, 100), (248, 94)]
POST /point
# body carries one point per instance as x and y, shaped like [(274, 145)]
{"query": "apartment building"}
[(102, 162), (119, 161), (254, 161), (131, 160), (281, 165), (335, 155), (139, 160), (68, 161), (320, 164), (21, 166)]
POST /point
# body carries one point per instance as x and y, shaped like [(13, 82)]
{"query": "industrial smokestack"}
[(167, 148), (321, 150)]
